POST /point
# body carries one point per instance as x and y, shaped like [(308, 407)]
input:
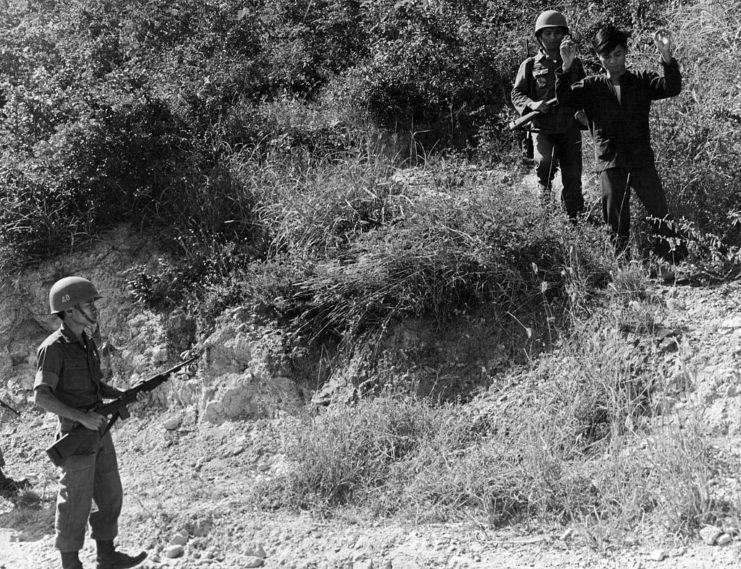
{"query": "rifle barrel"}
[(9, 408)]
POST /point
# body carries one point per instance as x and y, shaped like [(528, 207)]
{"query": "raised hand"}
[(568, 52), (663, 41)]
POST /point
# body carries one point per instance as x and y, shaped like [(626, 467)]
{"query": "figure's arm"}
[(577, 70), (49, 363), (569, 88), (109, 392), (670, 85), (45, 399), (521, 99), (521, 91)]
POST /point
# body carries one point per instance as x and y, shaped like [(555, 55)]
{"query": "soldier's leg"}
[(74, 500), (107, 492), (108, 495), (570, 161), (544, 153)]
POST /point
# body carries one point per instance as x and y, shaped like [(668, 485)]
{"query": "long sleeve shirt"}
[(619, 125), (536, 81)]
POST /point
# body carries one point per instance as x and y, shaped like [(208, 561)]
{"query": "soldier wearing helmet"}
[(557, 130), (69, 381)]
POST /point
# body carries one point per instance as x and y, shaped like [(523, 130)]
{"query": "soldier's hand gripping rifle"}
[(81, 440), (527, 117)]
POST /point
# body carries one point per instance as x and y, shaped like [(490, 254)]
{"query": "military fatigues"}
[(557, 134), (90, 479)]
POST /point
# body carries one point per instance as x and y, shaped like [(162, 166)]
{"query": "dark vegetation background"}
[(258, 141)]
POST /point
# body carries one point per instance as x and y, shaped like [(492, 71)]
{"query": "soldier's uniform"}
[(68, 382), (71, 369)]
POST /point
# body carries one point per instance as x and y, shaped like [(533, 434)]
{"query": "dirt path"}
[(188, 485)]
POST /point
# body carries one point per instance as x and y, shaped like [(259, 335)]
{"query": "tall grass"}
[(577, 438), (697, 134)]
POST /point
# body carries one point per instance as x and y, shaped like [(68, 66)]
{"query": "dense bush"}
[(173, 113), (698, 135)]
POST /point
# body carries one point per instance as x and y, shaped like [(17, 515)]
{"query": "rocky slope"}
[(185, 469)]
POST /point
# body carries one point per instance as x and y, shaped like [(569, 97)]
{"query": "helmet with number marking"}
[(70, 291), (551, 19)]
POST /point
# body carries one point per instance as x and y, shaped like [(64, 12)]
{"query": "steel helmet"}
[(70, 291), (551, 19)]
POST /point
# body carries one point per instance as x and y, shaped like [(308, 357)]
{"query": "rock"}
[(566, 535), (723, 539), (710, 534), (249, 396), (257, 550), (460, 562), (674, 304), (250, 561), (173, 423), (658, 555), (734, 322), (179, 539), (174, 551)]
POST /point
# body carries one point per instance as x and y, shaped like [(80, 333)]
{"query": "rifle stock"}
[(81, 440)]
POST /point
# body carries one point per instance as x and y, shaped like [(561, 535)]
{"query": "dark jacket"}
[(536, 81), (620, 128)]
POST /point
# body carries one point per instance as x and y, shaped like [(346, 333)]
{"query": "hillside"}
[(404, 359), (197, 479)]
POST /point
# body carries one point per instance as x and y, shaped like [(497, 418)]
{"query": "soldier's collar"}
[(69, 335), (543, 55)]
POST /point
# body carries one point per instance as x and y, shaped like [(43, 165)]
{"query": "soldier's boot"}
[(109, 558), (10, 487), (71, 560)]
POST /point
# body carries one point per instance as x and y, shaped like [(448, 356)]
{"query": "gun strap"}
[(8, 407), (111, 423)]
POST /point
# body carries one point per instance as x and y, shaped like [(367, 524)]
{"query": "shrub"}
[(375, 250), (696, 135), (576, 438)]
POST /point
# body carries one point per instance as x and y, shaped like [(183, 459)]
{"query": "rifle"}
[(526, 118), (85, 439), (9, 408)]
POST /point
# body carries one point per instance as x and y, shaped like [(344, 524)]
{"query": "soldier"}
[(68, 381), (557, 132), (8, 486)]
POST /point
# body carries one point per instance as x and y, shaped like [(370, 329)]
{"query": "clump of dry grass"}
[(578, 438)]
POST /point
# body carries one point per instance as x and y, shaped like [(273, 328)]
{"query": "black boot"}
[(109, 558), (71, 560), (10, 487)]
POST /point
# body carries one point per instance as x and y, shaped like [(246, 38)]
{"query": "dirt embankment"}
[(185, 485)]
